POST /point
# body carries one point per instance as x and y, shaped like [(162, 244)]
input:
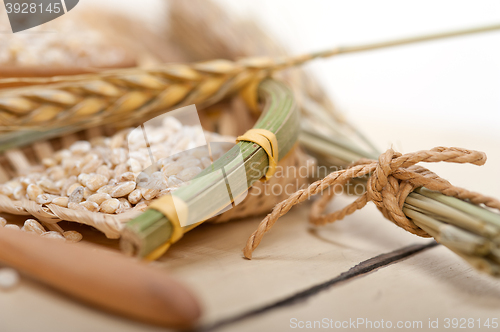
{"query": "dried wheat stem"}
[(68, 103)]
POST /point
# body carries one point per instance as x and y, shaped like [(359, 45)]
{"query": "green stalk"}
[(469, 208)]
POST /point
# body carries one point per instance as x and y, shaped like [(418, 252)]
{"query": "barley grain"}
[(77, 195), (105, 189), (110, 205), (6, 190), (205, 161), (48, 162), (154, 185), (96, 181), (98, 198), (171, 168), (72, 236), (45, 198), (118, 156), (118, 140), (19, 192), (189, 162), (61, 155), (105, 171), (61, 201), (134, 165), (92, 165), (127, 176), (171, 124), (122, 189), (72, 188), (173, 181), (141, 206), (150, 193), (53, 235), (56, 173), (90, 206), (59, 184), (200, 152), (87, 193), (189, 173), (12, 226), (120, 169), (80, 147), (33, 226), (82, 178), (71, 167), (49, 187), (165, 191), (26, 181), (76, 206), (9, 278), (33, 191), (124, 205), (181, 145), (88, 158), (67, 183), (13, 183), (135, 196)]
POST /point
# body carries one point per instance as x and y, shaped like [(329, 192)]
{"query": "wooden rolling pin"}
[(102, 278)]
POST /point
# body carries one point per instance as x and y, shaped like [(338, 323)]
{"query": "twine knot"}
[(388, 187), (391, 179)]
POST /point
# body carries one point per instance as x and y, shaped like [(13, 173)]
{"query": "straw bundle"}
[(459, 219)]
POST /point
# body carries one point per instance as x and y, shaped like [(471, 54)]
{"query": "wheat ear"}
[(52, 106)]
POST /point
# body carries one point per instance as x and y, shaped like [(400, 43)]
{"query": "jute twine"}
[(392, 178)]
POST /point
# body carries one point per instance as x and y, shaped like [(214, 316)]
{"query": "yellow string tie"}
[(176, 210), (267, 140)]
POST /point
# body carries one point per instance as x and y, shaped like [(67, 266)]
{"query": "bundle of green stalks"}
[(469, 230)]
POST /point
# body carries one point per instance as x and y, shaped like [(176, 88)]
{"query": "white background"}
[(454, 82)]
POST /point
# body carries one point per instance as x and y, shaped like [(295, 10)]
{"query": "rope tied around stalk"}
[(391, 179)]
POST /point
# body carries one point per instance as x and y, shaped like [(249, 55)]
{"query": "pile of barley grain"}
[(33, 226), (100, 175), (78, 44)]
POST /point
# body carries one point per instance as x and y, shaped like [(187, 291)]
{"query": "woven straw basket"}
[(260, 199)]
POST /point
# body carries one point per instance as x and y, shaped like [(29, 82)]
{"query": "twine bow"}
[(392, 178)]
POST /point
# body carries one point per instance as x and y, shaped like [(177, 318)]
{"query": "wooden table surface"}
[(362, 267)]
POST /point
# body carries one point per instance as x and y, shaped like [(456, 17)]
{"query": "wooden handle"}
[(100, 277)]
